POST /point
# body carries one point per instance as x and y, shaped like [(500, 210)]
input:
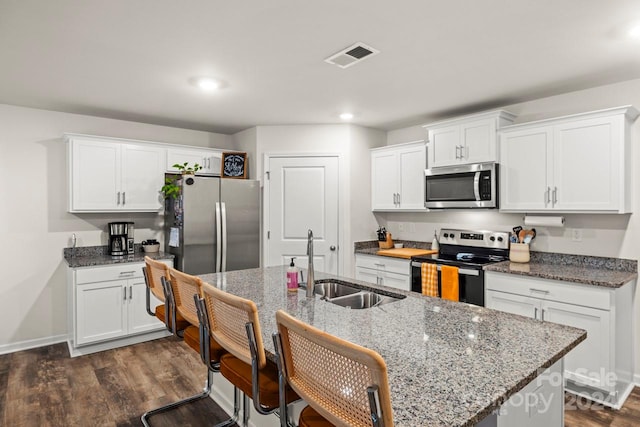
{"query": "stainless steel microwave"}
[(464, 186)]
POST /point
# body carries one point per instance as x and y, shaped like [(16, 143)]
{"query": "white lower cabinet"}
[(602, 365), (379, 270), (109, 304)]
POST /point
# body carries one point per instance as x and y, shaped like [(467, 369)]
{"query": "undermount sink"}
[(350, 296), (333, 289)]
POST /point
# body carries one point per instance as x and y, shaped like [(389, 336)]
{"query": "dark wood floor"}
[(44, 387)]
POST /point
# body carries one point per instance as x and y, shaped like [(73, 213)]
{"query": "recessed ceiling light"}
[(207, 84), (346, 116)]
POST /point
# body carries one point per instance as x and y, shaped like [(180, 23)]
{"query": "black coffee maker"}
[(120, 238)]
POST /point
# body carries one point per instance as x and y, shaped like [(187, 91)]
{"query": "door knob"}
[(332, 248)]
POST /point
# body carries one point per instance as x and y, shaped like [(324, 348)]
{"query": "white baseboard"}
[(29, 344), (636, 380)]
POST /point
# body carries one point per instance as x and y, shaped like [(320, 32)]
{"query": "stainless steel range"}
[(469, 250)]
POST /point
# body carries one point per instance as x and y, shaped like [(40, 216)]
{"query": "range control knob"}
[(446, 235), (452, 235), (492, 238), (500, 239)]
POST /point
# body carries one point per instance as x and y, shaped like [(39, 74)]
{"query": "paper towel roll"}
[(544, 221)]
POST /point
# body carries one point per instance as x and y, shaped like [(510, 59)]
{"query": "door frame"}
[(266, 202)]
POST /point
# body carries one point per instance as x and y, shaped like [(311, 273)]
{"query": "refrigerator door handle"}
[(224, 236), (218, 238)]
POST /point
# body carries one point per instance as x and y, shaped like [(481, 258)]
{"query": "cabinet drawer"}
[(551, 290), (381, 263), (112, 272)]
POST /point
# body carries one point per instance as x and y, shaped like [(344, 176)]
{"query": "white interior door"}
[(302, 195)]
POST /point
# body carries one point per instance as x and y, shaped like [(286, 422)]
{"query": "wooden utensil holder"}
[(387, 244), (519, 252)]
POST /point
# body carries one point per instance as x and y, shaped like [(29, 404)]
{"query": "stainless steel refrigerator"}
[(213, 225)]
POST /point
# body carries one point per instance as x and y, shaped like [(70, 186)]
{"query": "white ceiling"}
[(132, 59)]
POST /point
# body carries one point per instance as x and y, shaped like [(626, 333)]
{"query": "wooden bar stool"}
[(344, 384), (187, 289), (233, 322), (156, 276)]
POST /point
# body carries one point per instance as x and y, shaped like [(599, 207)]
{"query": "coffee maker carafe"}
[(120, 238)]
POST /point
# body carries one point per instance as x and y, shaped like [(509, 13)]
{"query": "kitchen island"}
[(449, 364)]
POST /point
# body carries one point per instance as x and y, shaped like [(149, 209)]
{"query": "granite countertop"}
[(92, 256), (589, 270), (371, 247), (449, 364)]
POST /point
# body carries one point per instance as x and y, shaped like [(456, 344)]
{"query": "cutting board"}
[(405, 253)]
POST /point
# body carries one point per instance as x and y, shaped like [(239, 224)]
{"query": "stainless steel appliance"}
[(465, 186), (214, 224), (121, 238), (468, 250)]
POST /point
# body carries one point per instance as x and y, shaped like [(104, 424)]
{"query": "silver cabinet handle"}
[(124, 291), (535, 313), (118, 197), (130, 292), (399, 199), (542, 291), (555, 195), (124, 194), (123, 273), (547, 197), (542, 314), (378, 264), (457, 154)]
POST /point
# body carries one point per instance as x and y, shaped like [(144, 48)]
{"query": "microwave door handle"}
[(476, 186)]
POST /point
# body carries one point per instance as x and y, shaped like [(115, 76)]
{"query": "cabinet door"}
[(367, 275), (95, 175), (525, 170), (213, 163), (514, 304), (138, 318), (384, 180), (412, 163), (181, 156), (444, 146), (587, 164), (100, 311), (393, 280), (590, 361), (478, 141), (142, 177)]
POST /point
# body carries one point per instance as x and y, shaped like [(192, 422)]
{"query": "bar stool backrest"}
[(228, 317), (185, 286), (155, 271), (334, 376)]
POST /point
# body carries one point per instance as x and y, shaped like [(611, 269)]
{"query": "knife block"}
[(386, 244)]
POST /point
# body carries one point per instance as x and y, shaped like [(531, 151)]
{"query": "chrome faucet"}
[(310, 272)]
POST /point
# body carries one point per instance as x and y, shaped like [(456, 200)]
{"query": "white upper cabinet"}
[(577, 163), (464, 140), (209, 159), (106, 176), (397, 177)]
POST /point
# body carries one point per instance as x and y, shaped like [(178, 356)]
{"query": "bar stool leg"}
[(236, 409)]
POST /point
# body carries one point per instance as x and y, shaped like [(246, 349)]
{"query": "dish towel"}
[(449, 284), (429, 273)]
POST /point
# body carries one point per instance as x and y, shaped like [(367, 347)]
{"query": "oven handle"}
[(463, 271)]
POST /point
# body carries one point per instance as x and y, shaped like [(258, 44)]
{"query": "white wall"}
[(34, 223), (602, 235)]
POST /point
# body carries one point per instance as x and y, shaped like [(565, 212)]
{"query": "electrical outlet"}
[(576, 235), (401, 226)]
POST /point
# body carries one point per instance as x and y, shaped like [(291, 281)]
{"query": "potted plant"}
[(185, 169), (170, 189)]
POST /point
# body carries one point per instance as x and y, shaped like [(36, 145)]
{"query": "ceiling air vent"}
[(352, 55)]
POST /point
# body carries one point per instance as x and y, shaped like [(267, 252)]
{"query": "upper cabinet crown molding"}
[(397, 177), (466, 139), (579, 163), (107, 174)]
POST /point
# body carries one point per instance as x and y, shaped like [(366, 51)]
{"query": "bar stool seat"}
[(239, 373), (192, 339), (309, 417), (181, 322)]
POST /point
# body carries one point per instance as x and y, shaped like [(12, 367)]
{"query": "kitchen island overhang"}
[(448, 363)]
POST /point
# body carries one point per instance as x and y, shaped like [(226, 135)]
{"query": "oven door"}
[(470, 283), (467, 186)]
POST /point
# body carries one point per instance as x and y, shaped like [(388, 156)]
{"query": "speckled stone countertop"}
[(589, 270), (92, 256), (449, 364), (371, 247)]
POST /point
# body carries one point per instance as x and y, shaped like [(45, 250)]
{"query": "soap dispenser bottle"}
[(292, 277)]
